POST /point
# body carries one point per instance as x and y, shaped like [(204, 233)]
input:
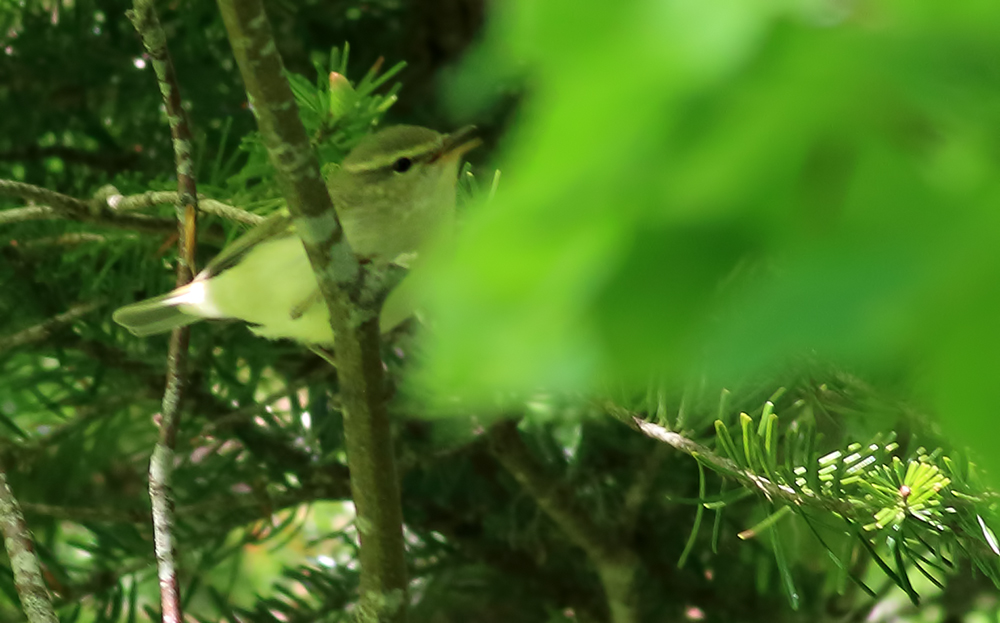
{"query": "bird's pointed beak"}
[(458, 143)]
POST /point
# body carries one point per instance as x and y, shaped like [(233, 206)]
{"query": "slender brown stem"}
[(352, 299), (64, 240), (154, 39)]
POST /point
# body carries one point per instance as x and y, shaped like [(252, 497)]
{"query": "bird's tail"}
[(155, 315)]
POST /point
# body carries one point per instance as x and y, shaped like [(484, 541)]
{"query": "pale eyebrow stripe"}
[(386, 160)]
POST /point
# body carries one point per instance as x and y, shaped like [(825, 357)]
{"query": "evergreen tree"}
[(713, 352)]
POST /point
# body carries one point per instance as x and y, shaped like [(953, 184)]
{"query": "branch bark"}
[(58, 205), (120, 203), (352, 298), (35, 599), (112, 209), (154, 39), (28, 213)]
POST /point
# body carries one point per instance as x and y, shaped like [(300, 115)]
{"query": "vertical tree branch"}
[(143, 17), (352, 298), (35, 599), (146, 23), (616, 564)]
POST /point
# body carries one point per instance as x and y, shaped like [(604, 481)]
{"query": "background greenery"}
[(792, 200)]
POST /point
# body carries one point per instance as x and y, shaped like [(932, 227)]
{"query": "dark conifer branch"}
[(35, 599), (772, 490), (231, 418), (43, 330), (246, 507), (154, 39), (616, 564), (353, 311)]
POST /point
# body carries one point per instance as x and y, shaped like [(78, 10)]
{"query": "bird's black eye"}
[(402, 165)]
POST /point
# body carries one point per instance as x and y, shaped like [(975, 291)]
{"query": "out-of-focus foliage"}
[(713, 187)]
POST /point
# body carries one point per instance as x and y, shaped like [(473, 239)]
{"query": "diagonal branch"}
[(771, 490), (44, 329), (37, 194), (616, 564), (28, 213), (35, 598), (352, 301)]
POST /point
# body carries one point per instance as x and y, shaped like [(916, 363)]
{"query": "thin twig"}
[(211, 206), (44, 329), (30, 192), (616, 564), (353, 307), (58, 205), (771, 490), (28, 213), (147, 24), (35, 599), (120, 203), (66, 240)]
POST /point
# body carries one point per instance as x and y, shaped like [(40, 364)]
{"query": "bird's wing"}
[(278, 225), (155, 315)]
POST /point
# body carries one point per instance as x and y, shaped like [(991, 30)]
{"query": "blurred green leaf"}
[(723, 186)]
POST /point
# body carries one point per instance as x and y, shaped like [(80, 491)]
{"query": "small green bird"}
[(394, 193)]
